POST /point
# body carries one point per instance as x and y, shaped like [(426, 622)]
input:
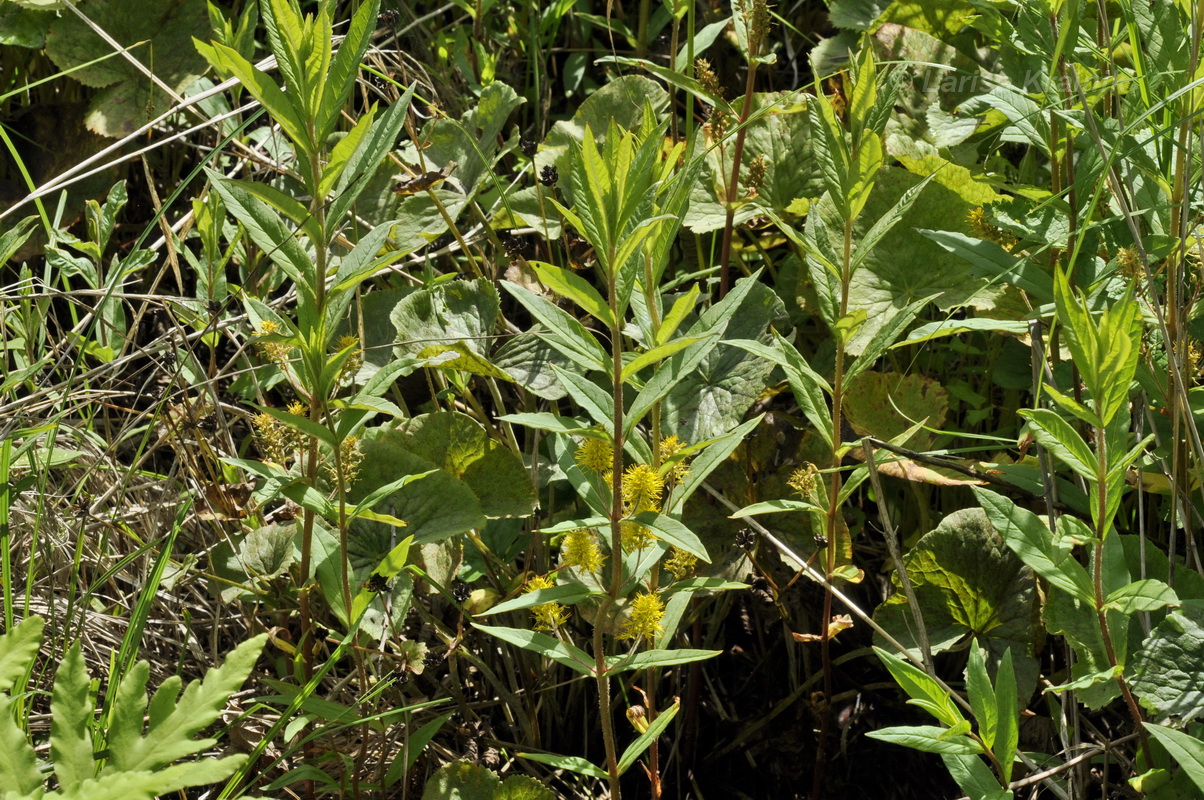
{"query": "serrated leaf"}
[(70, 713), (18, 648), (169, 737), (18, 766)]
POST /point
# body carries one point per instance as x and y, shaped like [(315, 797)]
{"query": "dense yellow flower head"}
[(595, 454), (580, 550), (642, 488), (647, 610)]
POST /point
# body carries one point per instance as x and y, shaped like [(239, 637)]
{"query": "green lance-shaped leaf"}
[(1008, 732), (636, 748), (923, 690), (1143, 595), (982, 696), (339, 81), (928, 739), (572, 657), (1031, 539), (574, 287), (1184, 748), (1058, 437)]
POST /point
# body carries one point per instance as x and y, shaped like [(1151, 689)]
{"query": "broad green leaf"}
[(18, 648), (574, 287), (1030, 538), (1167, 674), (1143, 595), (926, 738), (462, 452), (458, 316), (886, 404), (572, 657), (268, 551), (1058, 437), (714, 397), (655, 729), (968, 584), (472, 141), (464, 781), (159, 38)]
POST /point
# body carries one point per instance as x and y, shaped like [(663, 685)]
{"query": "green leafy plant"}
[(118, 755)]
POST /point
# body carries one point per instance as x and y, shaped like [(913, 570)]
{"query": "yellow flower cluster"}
[(803, 480), (354, 361), (580, 549), (595, 454), (548, 616), (681, 563), (647, 611), (669, 447), (276, 352)]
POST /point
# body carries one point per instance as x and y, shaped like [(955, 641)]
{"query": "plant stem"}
[(733, 185), (825, 725), (1101, 613), (616, 539)]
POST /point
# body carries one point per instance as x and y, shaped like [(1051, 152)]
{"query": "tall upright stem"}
[(831, 528), (1101, 613), (616, 540)]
